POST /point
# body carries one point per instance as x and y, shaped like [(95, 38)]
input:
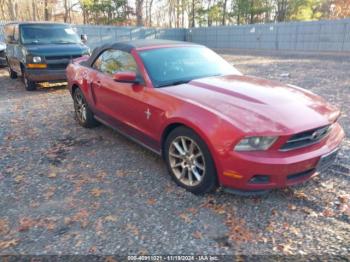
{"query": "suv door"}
[(9, 31), (17, 52)]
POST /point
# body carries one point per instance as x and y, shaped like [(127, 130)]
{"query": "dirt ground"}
[(69, 190)]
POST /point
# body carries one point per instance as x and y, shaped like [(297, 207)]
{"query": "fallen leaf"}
[(270, 228), (110, 259), (121, 173), (185, 217), (81, 217), (192, 210), (345, 209), (292, 207), (25, 224), (133, 229), (4, 227), (99, 226), (328, 185), (344, 199), (48, 222), (197, 235), (96, 192), (52, 175), (111, 218), (50, 192), (151, 201), (34, 204), (8, 243), (19, 178), (100, 176), (300, 195), (93, 249), (328, 212)]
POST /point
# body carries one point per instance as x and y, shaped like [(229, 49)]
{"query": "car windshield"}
[(48, 34), (178, 65)]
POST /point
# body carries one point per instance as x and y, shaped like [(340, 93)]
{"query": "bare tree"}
[(11, 9), (150, 12), (224, 12), (139, 15), (193, 14)]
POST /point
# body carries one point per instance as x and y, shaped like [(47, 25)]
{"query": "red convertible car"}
[(212, 125)]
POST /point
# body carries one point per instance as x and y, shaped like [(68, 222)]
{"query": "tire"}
[(83, 113), (193, 168), (13, 74), (28, 84)]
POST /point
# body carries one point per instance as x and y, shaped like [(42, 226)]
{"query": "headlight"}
[(2, 46), (37, 59), (255, 143)]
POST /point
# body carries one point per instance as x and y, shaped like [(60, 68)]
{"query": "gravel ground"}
[(69, 190)]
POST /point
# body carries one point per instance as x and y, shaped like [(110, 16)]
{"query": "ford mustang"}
[(212, 125)]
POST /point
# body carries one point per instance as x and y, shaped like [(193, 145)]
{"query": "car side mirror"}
[(126, 77), (84, 38)]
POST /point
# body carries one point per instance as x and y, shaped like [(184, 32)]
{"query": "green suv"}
[(40, 52)]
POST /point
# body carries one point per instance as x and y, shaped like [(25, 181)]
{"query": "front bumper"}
[(44, 75), (282, 168)]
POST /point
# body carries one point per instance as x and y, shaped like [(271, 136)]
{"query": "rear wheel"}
[(83, 113), (189, 161), (12, 73)]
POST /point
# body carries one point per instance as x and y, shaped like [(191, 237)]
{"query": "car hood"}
[(56, 49), (257, 105)]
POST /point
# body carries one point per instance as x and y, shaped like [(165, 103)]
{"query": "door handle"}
[(98, 83)]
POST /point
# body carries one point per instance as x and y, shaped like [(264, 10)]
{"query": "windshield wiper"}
[(62, 42), (32, 42), (175, 83)]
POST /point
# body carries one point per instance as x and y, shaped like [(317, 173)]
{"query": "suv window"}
[(16, 33), (8, 30), (113, 61)]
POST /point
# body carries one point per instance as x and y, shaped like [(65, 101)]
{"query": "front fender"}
[(219, 135)]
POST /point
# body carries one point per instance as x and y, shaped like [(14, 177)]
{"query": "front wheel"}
[(189, 161), (28, 84), (83, 113)]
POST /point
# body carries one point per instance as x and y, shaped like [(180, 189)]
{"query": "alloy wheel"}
[(187, 161), (80, 107)]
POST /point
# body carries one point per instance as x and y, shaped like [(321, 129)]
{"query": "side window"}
[(9, 30), (16, 34), (97, 63), (113, 61)]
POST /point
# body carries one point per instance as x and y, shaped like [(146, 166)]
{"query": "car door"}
[(123, 105)]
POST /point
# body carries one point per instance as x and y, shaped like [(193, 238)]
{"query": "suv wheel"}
[(12, 73), (28, 84), (83, 113), (189, 161)]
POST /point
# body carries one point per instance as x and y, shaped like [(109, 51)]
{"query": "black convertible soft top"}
[(127, 46)]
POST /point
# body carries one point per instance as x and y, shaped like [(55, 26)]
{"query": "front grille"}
[(306, 138), (69, 57), (59, 62)]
